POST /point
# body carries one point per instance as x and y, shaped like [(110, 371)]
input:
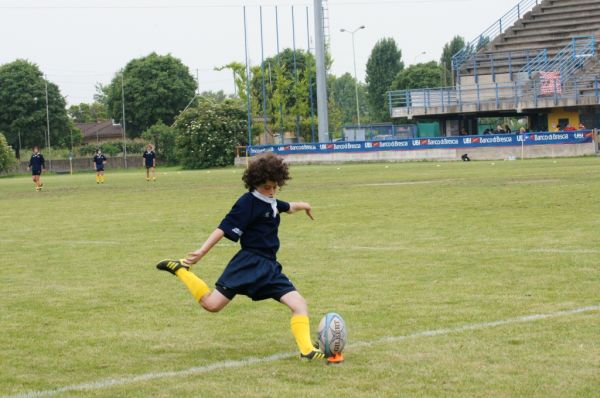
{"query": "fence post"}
[(443, 105), (596, 91), (478, 99), (497, 97), (493, 69)]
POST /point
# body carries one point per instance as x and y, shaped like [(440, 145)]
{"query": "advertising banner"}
[(496, 140)]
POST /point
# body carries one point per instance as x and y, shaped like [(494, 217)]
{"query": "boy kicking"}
[(150, 162), (37, 164), (254, 270)]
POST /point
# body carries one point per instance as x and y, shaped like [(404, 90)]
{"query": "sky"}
[(78, 43)]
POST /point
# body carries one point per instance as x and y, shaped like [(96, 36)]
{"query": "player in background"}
[(150, 162), (99, 162), (37, 163), (254, 270)]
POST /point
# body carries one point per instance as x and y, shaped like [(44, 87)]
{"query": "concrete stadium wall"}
[(482, 153)]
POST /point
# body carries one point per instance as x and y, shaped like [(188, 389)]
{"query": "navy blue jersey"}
[(149, 156), (37, 162), (253, 223), (99, 160)]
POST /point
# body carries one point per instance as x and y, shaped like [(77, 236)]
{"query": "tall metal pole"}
[(355, 75), (295, 76), (355, 82), (309, 73), (262, 67), (321, 72), (48, 124), (248, 84), (281, 132), (124, 123)]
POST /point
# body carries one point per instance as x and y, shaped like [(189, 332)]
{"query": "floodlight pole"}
[(321, 72), (48, 124), (124, 123)]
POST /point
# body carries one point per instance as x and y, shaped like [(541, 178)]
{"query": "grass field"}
[(438, 271)]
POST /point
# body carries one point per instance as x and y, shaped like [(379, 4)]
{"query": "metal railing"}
[(496, 29), (548, 92), (567, 61), (504, 62)]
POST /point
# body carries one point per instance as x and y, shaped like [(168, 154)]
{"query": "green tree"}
[(451, 48), (23, 107), (287, 91), (88, 113), (7, 156), (343, 93), (287, 88), (208, 133), (424, 75), (163, 138), (383, 66), (156, 88)]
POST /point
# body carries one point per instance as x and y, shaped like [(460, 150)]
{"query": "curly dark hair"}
[(266, 167)]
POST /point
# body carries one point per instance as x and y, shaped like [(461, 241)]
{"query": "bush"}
[(8, 161), (134, 146), (208, 134), (113, 148)]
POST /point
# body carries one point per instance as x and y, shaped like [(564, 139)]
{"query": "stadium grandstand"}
[(539, 61)]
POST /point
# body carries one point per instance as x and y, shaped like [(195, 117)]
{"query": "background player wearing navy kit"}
[(37, 163), (99, 162), (150, 162), (254, 270)]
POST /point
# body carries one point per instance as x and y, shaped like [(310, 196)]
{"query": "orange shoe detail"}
[(337, 358)]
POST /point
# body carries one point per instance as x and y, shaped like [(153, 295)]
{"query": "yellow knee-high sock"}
[(301, 331), (195, 285), (97, 178)]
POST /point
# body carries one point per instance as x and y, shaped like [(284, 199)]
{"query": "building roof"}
[(102, 130)]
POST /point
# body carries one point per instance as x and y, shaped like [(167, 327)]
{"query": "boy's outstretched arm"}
[(213, 239), (297, 206)]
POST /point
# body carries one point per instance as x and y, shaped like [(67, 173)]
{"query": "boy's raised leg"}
[(197, 287)]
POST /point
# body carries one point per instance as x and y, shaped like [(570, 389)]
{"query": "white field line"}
[(445, 250), (393, 184), (125, 380), (66, 241)]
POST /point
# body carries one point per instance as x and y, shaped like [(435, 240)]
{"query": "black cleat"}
[(314, 354), (172, 265)]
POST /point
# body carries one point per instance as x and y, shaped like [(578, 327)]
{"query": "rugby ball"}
[(332, 334)]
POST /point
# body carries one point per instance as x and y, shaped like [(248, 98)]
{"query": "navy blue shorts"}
[(99, 168), (36, 172), (255, 276)]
